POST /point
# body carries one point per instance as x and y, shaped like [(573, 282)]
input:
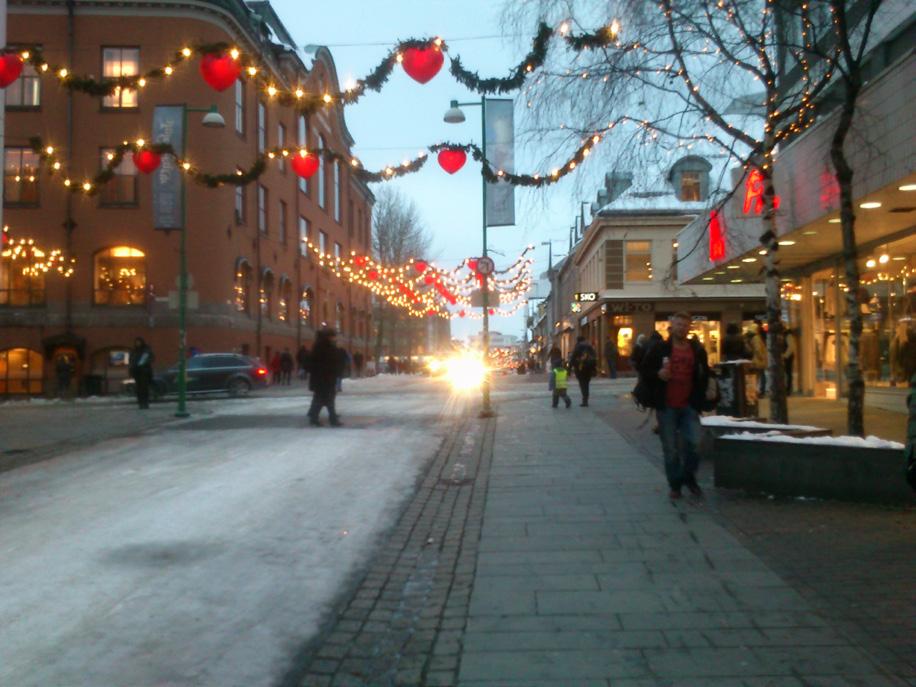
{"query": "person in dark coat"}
[(286, 366), (64, 371), (584, 362), (302, 361), (734, 346), (141, 369), (610, 355), (325, 369), (678, 372)]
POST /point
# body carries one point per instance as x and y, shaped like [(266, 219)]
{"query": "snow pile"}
[(728, 421), (849, 442)]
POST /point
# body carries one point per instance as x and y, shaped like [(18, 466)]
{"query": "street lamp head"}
[(454, 114), (213, 119)]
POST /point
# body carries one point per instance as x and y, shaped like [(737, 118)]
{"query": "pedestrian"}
[(274, 366), (789, 349), (64, 370), (324, 370), (358, 363), (610, 355), (141, 369), (559, 378), (678, 372), (302, 360), (584, 363), (734, 346), (286, 366)]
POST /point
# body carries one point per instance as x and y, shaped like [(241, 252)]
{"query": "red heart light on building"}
[(429, 278), (452, 159), (305, 164), (372, 274), (10, 68), (219, 71), (146, 160), (461, 314), (491, 311), (360, 260), (472, 265), (422, 64), (420, 266)]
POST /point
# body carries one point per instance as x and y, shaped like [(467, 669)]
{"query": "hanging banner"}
[(168, 185), (500, 132)]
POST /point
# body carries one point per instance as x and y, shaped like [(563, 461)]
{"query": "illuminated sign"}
[(576, 307), (716, 236), (586, 296), (753, 194)]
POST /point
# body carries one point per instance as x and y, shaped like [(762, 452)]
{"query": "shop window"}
[(242, 287), (321, 172), (284, 298), (306, 299), (638, 261), (120, 62), (122, 189), (20, 177), (302, 138), (240, 205), (266, 294), (25, 92), (240, 107), (21, 372), (21, 285), (120, 276), (304, 236), (262, 127)]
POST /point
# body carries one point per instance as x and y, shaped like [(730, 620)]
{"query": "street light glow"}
[(465, 372)]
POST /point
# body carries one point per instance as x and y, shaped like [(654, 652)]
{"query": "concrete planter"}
[(804, 469)]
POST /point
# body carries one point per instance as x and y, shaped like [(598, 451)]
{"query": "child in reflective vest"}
[(560, 384)]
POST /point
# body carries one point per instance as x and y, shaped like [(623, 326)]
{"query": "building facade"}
[(254, 287)]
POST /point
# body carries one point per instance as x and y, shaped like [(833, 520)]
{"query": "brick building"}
[(254, 287)]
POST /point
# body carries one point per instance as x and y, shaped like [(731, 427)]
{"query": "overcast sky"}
[(405, 117)]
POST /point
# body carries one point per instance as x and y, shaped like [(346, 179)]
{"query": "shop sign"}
[(716, 236), (586, 296), (168, 185), (575, 307), (753, 194), (628, 307)]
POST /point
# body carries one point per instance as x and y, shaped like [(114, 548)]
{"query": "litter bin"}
[(737, 388), (92, 385)]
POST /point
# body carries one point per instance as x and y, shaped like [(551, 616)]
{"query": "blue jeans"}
[(680, 470)]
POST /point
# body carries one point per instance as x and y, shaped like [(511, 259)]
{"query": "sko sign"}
[(585, 297)]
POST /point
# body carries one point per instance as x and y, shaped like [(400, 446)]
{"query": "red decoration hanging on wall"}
[(420, 266), (305, 164), (452, 159), (10, 68), (219, 71), (716, 236), (146, 160), (422, 64)]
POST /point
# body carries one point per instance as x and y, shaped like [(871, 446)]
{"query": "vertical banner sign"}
[(168, 196), (501, 154)]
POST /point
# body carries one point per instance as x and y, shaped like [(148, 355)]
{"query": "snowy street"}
[(205, 551)]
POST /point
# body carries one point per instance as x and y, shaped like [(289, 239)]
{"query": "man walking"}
[(678, 371), (610, 355), (324, 370), (584, 362), (141, 369)]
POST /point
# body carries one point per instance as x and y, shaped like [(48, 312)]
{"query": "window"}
[(337, 191), (120, 62), (120, 276), (122, 189), (690, 186), (322, 242), (638, 260), (262, 209), (321, 171), (240, 106), (304, 236), (21, 371), (20, 286), (265, 294), (281, 142), (302, 138), (262, 127), (338, 249), (306, 298), (25, 92), (242, 287), (282, 222), (285, 297), (240, 205), (20, 177)]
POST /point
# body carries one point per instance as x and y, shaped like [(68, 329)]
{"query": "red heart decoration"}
[(305, 165), (146, 160), (461, 314), (422, 64), (10, 68), (491, 311), (452, 159), (360, 261), (419, 266), (373, 275), (219, 71), (472, 265), (429, 278)]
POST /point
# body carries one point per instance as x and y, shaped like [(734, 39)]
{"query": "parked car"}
[(211, 373)]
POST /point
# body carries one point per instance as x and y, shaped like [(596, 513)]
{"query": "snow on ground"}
[(204, 553), (728, 421), (850, 442)]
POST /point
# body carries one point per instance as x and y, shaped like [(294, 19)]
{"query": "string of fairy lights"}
[(31, 260)]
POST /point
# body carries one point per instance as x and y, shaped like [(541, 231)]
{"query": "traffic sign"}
[(486, 266)]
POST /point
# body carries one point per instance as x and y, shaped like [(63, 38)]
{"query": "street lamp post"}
[(212, 120), (454, 115)]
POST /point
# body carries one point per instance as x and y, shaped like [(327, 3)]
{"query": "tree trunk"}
[(779, 411), (855, 423)]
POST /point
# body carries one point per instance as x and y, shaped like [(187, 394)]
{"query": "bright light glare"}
[(465, 372), (434, 365)]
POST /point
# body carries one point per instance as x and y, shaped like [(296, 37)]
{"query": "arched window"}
[(21, 282), (306, 301), (690, 178), (242, 286), (284, 298), (21, 372), (120, 276), (266, 293)]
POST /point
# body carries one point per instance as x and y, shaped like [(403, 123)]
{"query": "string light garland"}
[(35, 261)]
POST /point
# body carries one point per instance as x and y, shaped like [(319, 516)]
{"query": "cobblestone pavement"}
[(563, 563)]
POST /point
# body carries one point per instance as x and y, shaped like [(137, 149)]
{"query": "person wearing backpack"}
[(584, 362), (677, 373)]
